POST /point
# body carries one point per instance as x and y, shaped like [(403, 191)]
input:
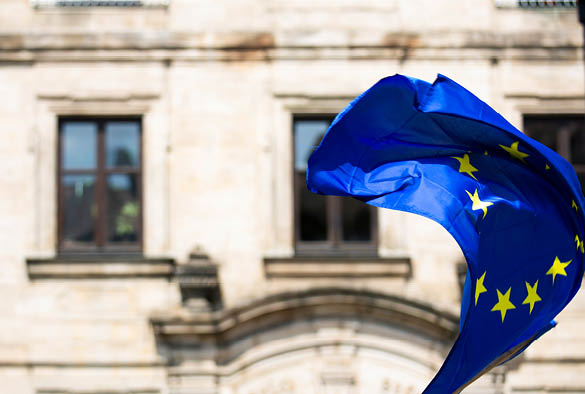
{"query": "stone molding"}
[(55, 101), (538, 104), (204, 349), (267, 46), (240, 363), (98, 3), (99, 267), (337, 267), (121, 391), (227, 326), (82, 364), (265, 40)]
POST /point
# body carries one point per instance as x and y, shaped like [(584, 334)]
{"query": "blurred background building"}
[(156, 235)]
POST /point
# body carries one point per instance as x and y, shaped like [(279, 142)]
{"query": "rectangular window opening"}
[(327, 224), (99, 185), (563, 133)]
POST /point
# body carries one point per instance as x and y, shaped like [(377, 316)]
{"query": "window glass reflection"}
[(123, 208), (308, 135), (79, 145), (122, 144), (79, 209)]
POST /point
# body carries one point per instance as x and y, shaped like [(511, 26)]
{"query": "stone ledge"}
[(61, 364), (61, 4), (168, 55), (337, 267), (100, 267), (290, 39)]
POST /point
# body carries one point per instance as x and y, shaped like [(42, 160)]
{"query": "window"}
[(99, 184), (564, 134), (326, 224)]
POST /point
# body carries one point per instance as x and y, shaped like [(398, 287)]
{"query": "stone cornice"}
[(162, 39), (291, 54), (268, 46)]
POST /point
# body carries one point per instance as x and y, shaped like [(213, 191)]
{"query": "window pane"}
[(313, 216), (578, 142), (356, 219), (313, 212), (79, 209), (581, 176), (308, 135), (313, 208), (123, 208), (122, 144), (542, 130), (564, 134), (79, 145)]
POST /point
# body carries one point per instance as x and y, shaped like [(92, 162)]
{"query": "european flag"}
[(514, 207)]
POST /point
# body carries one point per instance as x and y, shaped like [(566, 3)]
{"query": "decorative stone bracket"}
[(198, 282)]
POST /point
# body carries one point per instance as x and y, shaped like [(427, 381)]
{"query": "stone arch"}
[(327, 340)]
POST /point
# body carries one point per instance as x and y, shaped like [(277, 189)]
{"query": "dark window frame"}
[(573, 121), (101, 171), (334, 245)]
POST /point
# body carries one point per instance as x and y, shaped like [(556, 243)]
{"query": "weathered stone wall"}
[(216, 84)]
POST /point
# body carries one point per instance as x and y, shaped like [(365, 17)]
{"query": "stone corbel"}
[(198, 282)]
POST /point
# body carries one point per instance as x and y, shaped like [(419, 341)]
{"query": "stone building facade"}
[(152, 237)]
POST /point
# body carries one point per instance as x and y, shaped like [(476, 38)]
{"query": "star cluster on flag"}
[(530, 293)]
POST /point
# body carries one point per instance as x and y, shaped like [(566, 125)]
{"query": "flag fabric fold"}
[(514, 206)]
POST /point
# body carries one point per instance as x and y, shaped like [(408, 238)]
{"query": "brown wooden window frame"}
[(100, 244), (335, 244)]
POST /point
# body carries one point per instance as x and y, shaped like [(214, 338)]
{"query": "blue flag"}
[(514, 207)]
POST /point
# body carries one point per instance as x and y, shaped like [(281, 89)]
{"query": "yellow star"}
[(579, 244), (558, 268), (479, 287), (514, 152), (503, 303), (477, 203), (532, 296), (546, 167), (465, 166), (574, 205)]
